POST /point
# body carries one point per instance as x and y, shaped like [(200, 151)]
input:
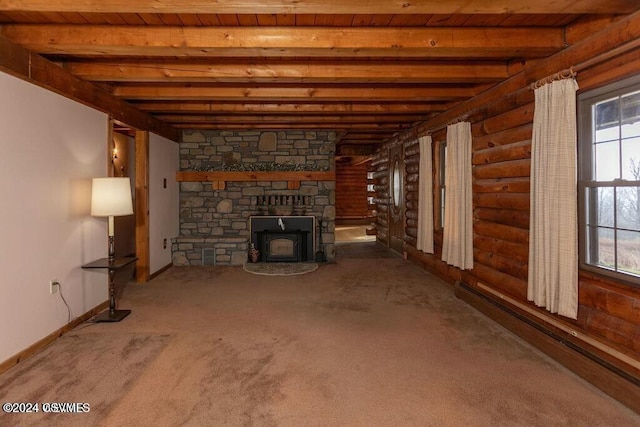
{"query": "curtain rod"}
[(460, 119), (603, 57), (457, 120), (569, 73), (564, 74)]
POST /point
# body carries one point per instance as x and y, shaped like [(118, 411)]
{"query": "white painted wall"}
[(163, 202), (51, 147)]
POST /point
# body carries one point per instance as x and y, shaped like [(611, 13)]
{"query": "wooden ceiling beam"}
[(331, 42), (35, 69), (355, 149), (357, 143), (618, 37), (364, 7), (342, 126), (244, 119), (280, 108), (291, 72), (289, 94), (366, 135)]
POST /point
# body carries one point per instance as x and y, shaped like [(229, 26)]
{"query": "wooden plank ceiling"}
[(365, 68)]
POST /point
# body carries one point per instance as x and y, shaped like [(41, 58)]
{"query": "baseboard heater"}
[(629, 395)]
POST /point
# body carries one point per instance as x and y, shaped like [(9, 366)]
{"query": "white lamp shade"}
[(111, 197)]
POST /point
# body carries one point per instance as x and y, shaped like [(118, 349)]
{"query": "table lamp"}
[(111, 197)]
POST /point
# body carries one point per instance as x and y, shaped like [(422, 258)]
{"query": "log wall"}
[(412, 168), (609, 311), (351, 191), (380, 168)]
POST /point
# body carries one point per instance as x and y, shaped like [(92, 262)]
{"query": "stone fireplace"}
[(215, 226)]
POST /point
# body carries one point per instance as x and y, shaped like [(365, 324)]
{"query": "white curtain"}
[(457, 247), (553, 232), (425, 197)]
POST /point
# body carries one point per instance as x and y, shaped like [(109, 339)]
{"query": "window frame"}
[(586, 208), (443, 187), (439, 160)]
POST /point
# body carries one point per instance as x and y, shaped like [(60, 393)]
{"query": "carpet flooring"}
[(74, 367), (280, 268), (365, 341)]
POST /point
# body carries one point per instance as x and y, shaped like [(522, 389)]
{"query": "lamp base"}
[(111, 316)]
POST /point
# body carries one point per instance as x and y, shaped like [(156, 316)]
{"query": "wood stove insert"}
[(283, 238), (283, 245)]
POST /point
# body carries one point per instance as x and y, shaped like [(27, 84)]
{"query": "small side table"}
[(111, 315)]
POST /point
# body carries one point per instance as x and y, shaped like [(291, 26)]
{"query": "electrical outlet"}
[(53, 286)]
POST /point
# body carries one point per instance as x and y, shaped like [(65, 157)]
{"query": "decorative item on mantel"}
[(275, 172), (258, 167), (282, 204), (254, 254)]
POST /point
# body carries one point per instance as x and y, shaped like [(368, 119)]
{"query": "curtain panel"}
[(425, 197), (457, 246), (553, 233)]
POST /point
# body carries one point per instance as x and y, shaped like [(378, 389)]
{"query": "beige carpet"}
[(74, 369), (362, 342)]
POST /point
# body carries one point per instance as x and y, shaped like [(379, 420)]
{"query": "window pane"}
[(397, 182), (607, 116), (631, 159), (631, 130), (604, 250), (443, 161), (606, 162), (442, 194), (628, 208), (607, 134), (629, 252), (630, 115), (600, 207)]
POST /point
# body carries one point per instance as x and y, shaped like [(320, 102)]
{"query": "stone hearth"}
[(214, 224)]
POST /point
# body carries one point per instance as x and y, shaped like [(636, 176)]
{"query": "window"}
[(441, 173), (609, 181), (397, 182)]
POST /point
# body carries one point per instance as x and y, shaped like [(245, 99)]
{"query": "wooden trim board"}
[(256, 176), (619, 384), (44, 342)]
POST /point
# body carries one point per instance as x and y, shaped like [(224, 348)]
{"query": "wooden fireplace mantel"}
[(219, 179)]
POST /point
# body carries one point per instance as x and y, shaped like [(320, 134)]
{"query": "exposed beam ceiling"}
[(289, 72), (322, 6), (21, 63), (326, 107), (367, 69), (341, 42), (297, 93)]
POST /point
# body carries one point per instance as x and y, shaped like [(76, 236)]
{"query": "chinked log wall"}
[(411, 168), (380, 169), (351, 191), (609, 312)]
